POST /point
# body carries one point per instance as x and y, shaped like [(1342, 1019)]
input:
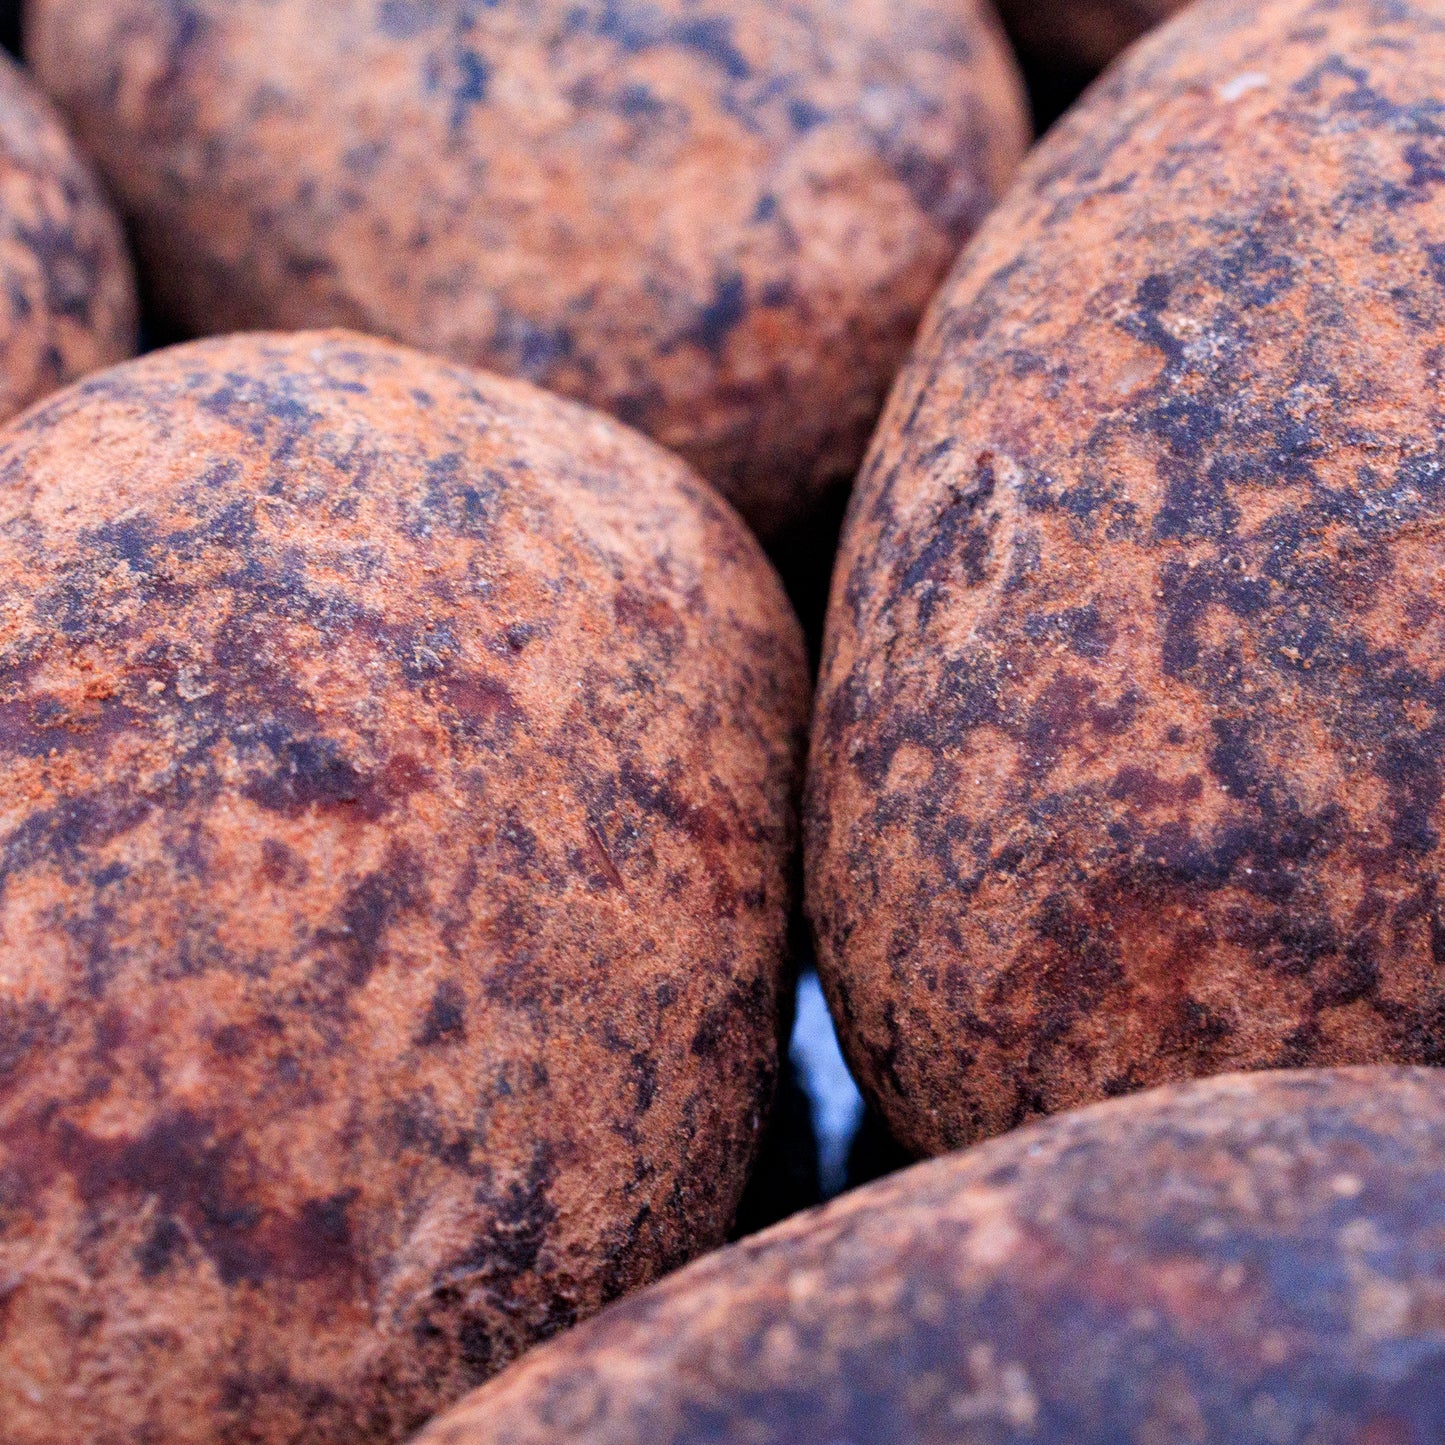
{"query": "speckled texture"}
[(396, 783), (719, 222), (1127, 750), (1081, 34), (67, 293), (1252, 1260)]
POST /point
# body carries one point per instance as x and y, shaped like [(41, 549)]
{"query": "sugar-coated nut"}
[(397, 772), (1126, 759), (1252, 1259)]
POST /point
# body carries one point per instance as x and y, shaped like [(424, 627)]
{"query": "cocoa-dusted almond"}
[(720, 224), (1252, 1259), (396, 813), (67, 292), (1127, 751)]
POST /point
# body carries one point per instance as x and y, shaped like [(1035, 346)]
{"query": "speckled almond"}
[(67, 293), (719, 222), (396, 784), (1081, 35), (1127, 751), (1250, 1260)]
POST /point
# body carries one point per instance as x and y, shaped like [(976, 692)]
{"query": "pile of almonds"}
[(417, 800)]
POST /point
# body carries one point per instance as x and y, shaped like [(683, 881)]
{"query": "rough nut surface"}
[(1081, 34), (396, 813), (719, 222), (1252, 1259), (1127, 758), (67, 293)]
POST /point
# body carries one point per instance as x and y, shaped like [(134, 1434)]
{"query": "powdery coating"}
[(1127, 749), (1250, 1259), (720, 223), (67, 295), (396, 814), (1082, 34)]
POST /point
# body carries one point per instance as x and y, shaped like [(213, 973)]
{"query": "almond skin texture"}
[(1252, 1259), (1081, 35), (1127, 750), (67, 293), (720, 223), (397, 768)]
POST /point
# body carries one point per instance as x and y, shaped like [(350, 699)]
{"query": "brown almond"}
[(396, 820)]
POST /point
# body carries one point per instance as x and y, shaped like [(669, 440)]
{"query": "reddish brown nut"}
[(67, 295), (1127, 751), (1081, 35), (396, 779), (721, 225), (1253, 1259)]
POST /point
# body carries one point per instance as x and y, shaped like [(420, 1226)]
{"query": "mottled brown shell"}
[(67, 294), (719, 222), (1081, 35), (396, 814), (1253, 1260), (1127, 759)]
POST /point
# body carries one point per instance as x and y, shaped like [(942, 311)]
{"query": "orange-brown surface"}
[(1252, 1260), (396, 815), (67, 294), (1081, 34), (1128, 745), (720, 223)]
